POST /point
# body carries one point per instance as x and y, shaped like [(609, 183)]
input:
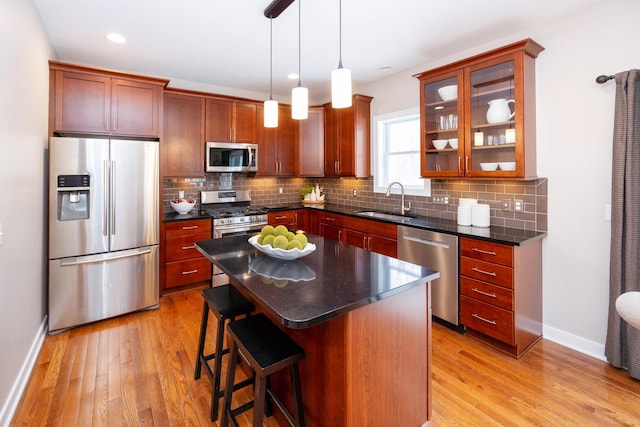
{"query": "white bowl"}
[(440, 143), (488, 166), (507, 166), (448, 93), (281, 253), (453, 142), (182, 206)]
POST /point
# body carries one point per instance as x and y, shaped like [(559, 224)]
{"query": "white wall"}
[(24, 88), (574, 133)]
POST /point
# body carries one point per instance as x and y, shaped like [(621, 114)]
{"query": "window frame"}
[(379, 149)]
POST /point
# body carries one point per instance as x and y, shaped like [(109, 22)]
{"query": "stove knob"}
[(253, 218)]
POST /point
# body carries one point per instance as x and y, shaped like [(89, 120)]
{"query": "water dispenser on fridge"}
[(73, 197)]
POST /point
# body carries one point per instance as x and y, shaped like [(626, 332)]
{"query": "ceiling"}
[(226, 43)]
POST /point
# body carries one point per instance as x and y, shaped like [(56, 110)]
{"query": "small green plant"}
[(306, 190)]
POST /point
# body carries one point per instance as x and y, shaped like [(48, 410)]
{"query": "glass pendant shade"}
[(341, 87), (271, 113), (299, 103)]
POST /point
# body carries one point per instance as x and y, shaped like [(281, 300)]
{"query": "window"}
[(396, 153)]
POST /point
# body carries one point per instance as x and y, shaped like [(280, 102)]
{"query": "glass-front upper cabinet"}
[(478, 115), (442, 127)]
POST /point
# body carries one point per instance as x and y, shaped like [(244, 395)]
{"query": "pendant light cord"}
[(299, 43), (340, 33), (270, 58)]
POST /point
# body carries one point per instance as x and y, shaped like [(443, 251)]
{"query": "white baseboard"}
[(10, 405), (574, 342)]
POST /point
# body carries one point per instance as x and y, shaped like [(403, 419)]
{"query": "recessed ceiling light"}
[(116, 38), (292, 76), (385, 68)]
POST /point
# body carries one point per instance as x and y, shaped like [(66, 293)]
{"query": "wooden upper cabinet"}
[(311, 144), (348, 139), (90, 101), (277, 146), (183, 143), (486, 127), (230, 121)]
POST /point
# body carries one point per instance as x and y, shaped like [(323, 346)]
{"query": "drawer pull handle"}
[(484, 252), (484, 293), (281, 217), (184, 273), (191, 227), (189, 247), (488, 273), (493, 322), (329, 219)]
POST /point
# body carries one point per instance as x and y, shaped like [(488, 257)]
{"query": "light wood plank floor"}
[(138, 370)]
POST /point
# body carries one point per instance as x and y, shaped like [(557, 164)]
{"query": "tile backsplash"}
[(282, 191)]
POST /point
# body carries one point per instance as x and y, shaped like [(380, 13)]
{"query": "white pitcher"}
[(499, 111)]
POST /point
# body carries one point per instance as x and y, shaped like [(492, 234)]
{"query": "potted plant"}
[(305, 192)]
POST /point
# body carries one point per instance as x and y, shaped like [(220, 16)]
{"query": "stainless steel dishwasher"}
[(437, 251)]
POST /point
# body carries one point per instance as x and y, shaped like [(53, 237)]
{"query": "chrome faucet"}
[(403, 208)]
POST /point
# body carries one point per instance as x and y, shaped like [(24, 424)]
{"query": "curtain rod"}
[(603, 79)]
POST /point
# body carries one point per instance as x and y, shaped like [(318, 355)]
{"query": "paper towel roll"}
[(480, 215), (464, 215)]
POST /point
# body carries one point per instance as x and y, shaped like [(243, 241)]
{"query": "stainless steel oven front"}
[(220, 231)]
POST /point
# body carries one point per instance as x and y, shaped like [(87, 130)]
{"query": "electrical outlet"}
[(507, 205), (280, 190), (518, 205), (355, 192), (445, 200)]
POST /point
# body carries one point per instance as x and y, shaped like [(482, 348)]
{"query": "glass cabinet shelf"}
[(486, 104)]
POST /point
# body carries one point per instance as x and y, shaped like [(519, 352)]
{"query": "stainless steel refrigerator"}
[(103, 229)]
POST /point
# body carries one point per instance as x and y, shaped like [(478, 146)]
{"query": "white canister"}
[(467, 202), (464, 215), (480, 215)]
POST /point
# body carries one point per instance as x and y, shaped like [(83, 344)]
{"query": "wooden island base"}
[(368, 367)]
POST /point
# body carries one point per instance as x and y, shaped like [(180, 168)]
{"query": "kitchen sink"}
[(385, 215)]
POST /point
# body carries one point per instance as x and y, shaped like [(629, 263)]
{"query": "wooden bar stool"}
[(226, 303), (267, 349)]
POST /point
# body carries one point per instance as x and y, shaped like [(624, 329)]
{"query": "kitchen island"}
[(364, 320)]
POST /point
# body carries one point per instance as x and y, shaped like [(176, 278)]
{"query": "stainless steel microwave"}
[(231, 157)]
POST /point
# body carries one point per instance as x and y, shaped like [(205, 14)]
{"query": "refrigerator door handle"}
[(105, 198), (92, 259), (113, 197)]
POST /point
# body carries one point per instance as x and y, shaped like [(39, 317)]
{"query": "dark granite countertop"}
[(504, 235), (194, 214), (327, 283)]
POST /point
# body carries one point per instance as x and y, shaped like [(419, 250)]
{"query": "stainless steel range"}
[(232, 215)]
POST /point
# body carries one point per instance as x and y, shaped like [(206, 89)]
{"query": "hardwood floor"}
[(138, 370)]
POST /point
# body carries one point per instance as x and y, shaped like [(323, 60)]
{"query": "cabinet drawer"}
[(331, 219), (368, 226), (486, 318), (492, 294), (183, 247), (284, 217), (180, 273), (487, 251), (178, 228), (486, 271)]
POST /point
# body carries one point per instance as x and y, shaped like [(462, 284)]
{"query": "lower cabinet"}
[(293, 219), (330, 225), (376, 236), (501, 293), (184, 263)]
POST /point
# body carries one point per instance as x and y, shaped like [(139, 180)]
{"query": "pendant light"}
[(341, 79), (270, 106), (299, 94)]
